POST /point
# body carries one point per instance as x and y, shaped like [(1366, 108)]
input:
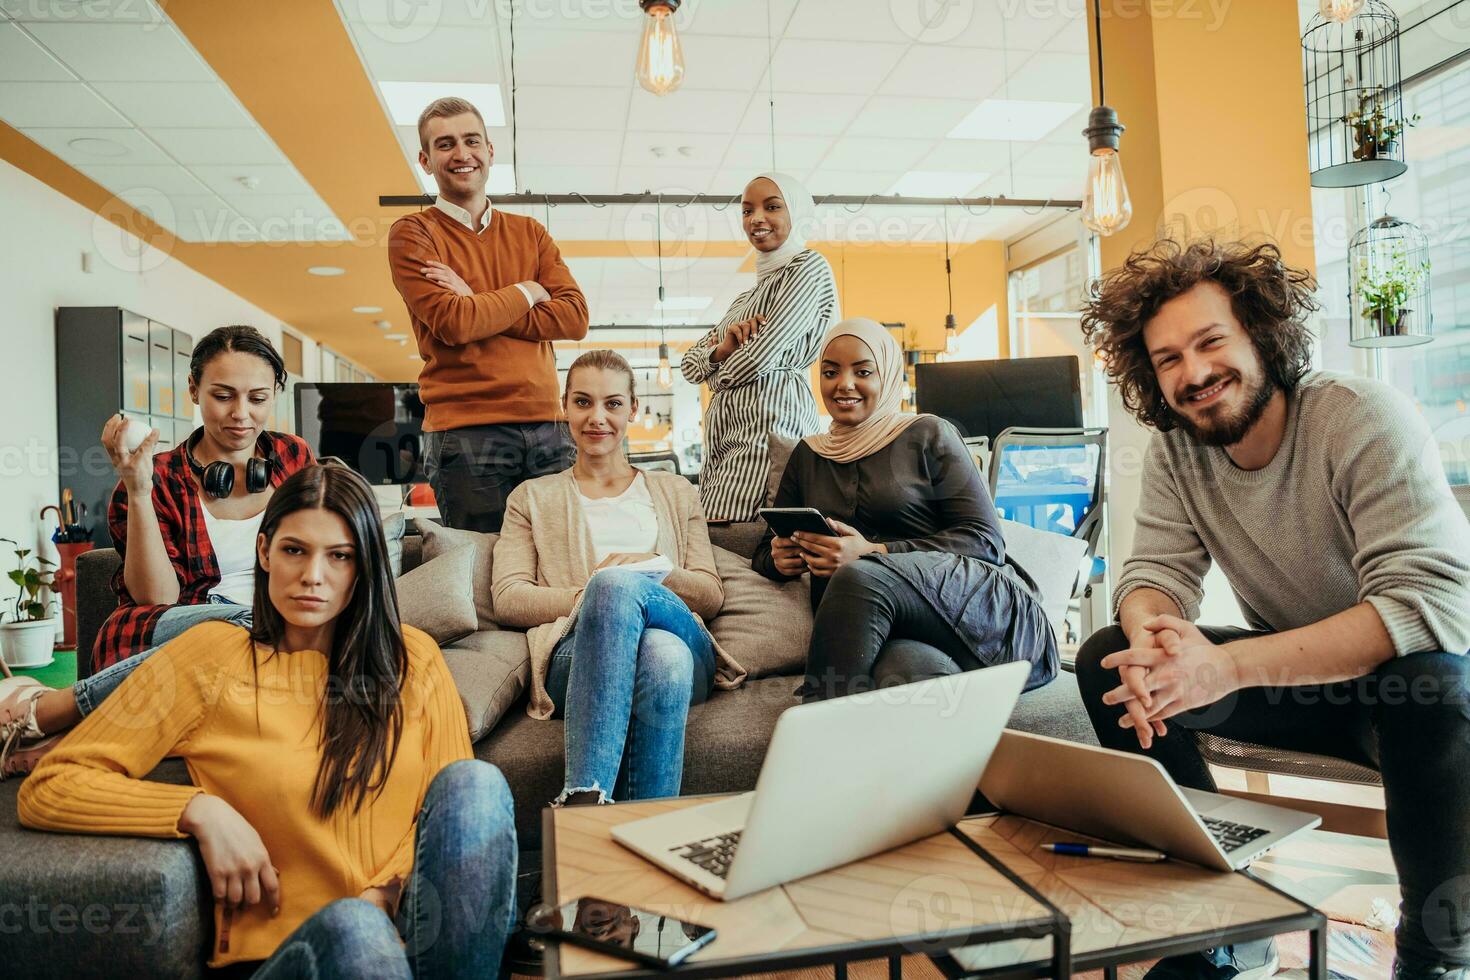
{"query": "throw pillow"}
[(492, 670), (764, 625), (439, 539), (436, 597), (394, 526)]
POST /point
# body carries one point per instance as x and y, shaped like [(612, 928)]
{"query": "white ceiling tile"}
[(1012, 27), (802, 114), (274, 180), (1039, 187), (909, 117), (558, 147), (713, 62), (170, 181), (751, 153), (1055, 160), (833, 67), (554, 179), (58, 104), (445, 54), (176, 104), (871, 153), (993, 156), (401, 21), (826, 181), (123, 52), (288, 217), (552, 57), (84, 11), (217, 146), (674, 150), (571, 107), (1052, 77), (692, 111), (958, 72), (1071, 39), (207, 219), (664, 180), (735, 19), (23, 60), (140, 150), (851, 20)]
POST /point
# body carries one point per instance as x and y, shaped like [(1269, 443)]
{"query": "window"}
[(1435, 195)]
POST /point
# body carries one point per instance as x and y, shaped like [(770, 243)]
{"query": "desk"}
[(927, 897), (1123, 912)]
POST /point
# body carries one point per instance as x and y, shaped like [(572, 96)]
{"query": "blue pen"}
[(1105, 851)]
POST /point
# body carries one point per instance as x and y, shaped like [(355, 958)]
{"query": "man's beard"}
[(1230, 429)]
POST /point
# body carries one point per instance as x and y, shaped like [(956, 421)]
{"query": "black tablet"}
[(785, 521)]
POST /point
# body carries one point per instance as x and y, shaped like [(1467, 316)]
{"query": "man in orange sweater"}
[(487, 292)]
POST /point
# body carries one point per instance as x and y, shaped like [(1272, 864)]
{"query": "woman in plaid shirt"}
[(187, 557)]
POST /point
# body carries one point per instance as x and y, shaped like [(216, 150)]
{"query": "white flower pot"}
[(28, 644)]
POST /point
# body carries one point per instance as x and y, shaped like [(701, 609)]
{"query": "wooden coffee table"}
[(934, 895), (1123, 912)]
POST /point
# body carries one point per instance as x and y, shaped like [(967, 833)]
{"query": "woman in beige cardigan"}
[(617, 652)]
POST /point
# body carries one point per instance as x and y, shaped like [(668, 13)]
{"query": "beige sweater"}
[(544, 558)]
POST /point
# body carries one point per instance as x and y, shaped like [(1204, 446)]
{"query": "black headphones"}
[(218, 478)]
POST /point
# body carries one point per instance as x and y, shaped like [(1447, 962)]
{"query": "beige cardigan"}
[(544, 558)]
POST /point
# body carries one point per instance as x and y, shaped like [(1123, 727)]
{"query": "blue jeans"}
[(624, 678), (92, 691), (458, 905)]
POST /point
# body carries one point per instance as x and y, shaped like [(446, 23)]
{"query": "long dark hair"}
[(362, 711), (1270, 299), (246, 340)]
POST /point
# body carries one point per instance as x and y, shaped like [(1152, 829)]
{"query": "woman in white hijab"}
[(915, 582), (756, 361)]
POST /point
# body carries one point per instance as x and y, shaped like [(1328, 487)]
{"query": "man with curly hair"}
[(1322, 499)]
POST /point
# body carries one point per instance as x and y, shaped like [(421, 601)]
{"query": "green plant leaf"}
[(35, 610), (18, 576)]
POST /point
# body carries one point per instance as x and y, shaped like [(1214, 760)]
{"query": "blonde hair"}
[(443, 109), (605, 360)]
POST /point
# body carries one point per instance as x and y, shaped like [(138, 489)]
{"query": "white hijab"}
[(801, 210)]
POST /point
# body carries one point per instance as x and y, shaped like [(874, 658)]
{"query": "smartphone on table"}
[(786, 521), (650, 938)]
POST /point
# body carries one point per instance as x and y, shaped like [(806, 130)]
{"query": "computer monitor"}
[(982, 398), (374, 427)]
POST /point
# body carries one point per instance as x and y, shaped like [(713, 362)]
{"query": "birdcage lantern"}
[(1354, 90), (1389, 263)]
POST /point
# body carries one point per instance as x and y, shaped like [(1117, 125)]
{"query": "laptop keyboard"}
[(713, 854), (1232, 835)]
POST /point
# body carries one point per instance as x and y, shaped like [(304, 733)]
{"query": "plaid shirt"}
[(129, 629)]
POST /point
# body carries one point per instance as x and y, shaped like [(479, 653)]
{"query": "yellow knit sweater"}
[(258, 750)]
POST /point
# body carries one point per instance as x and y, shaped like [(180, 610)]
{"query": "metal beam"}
[(724, 201)]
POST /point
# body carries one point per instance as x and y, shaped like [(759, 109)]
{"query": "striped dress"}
[(761, 391)]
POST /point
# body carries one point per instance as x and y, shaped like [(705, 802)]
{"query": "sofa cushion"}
[(1052, 560), (436, 596), (438, 539), (492, 669), (766, 625), (741, 538), (77, 905)]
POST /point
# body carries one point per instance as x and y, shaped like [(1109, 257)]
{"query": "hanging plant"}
[(1375, 133), (1384, 288)]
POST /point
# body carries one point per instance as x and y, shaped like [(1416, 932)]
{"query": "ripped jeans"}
[(623, 678)]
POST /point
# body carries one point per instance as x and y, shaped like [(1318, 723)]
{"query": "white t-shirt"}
[(626, 523), (234, 549)]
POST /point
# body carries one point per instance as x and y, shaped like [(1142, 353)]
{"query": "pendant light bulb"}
[(1106, 208), (1340, 11), (648, 421), (665, 369), (660, 56), (951, 335)]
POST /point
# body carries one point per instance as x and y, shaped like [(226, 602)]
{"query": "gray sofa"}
[(104, 906)]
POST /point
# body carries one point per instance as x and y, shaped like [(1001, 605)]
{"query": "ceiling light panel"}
[(406, 100)]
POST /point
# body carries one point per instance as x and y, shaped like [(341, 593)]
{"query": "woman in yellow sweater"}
[(335, 801)]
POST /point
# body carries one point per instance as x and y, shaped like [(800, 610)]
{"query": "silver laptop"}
[(1130, 799), (842, 780)]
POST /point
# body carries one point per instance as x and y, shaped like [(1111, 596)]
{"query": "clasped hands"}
[(1169, 667), (736, 335), (820, 554)]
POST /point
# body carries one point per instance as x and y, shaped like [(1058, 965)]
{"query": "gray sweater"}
[(1354, 507)]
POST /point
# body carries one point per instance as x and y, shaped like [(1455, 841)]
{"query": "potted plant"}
[(1375, 133), (1385, 288), (28, 628)]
